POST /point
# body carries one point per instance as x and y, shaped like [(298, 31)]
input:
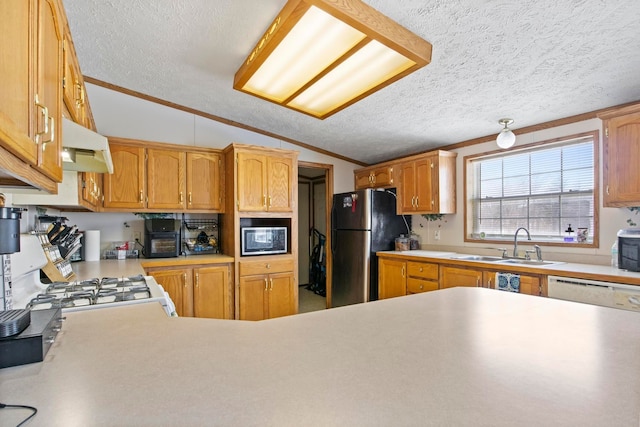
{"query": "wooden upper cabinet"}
[(203, 181), (252, 182), (49, 89), (378, 177), (156, 177), (125, 187), (279, 178), (17, 67), (264, 182), (31, 100), (622, 157), (427, 184), (166, 179)]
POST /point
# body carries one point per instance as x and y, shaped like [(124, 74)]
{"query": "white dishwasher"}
[(608, 294)]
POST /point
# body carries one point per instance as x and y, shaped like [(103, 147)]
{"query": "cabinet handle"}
[(181, 197), (184, 278), (607, 190), (264, 200), (433, 202), (52, 133), (45, 115), (477, 282), (269, 201), (190, 198), (271, 284), (265, 284), (417, 201), (141, 198), (268, 265), (420, 269), (421, 287), (197, 280), (403, 271), (489, 284)]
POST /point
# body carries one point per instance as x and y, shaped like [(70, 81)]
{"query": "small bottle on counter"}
[(614, 254)]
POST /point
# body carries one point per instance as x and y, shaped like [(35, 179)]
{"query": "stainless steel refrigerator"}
[(362, 223)]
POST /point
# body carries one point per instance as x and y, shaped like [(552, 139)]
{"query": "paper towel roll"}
[(92, 245)]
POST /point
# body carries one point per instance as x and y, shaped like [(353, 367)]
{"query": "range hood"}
[(84, 150)]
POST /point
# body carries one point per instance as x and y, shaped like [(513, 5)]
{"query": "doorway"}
[(315, 190)]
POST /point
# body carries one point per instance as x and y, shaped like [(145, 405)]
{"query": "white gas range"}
[(29, 292)]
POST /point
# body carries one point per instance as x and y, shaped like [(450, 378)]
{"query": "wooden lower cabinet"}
[(457, 276), (266, 289), (401, 277), (197, 291)]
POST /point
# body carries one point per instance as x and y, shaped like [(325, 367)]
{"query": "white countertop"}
[(460, 356), (606, 272)]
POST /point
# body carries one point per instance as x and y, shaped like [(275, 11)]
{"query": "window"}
[(545, 188)]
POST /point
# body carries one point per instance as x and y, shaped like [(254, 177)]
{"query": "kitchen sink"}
[(528, 262), (478, 258)]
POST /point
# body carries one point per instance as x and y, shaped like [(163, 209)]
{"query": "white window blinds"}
[(544, 189)]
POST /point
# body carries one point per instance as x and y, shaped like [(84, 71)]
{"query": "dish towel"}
[(508, 282)]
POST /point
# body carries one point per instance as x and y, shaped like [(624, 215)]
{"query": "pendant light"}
[(506, 138)]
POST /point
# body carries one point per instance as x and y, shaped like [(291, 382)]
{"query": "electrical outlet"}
[(136, 236), (436, 234)]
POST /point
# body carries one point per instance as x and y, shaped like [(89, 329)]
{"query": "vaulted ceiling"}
[(532, 61)]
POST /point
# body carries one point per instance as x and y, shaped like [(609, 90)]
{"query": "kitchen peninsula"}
[(458, 356)]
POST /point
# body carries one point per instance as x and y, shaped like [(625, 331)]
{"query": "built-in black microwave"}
[(263, 240)]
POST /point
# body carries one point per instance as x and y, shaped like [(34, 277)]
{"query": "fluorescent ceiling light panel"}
[(320, 56)]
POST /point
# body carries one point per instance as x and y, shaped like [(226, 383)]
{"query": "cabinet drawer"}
[(250, 268), (415, 286), (422, 270)]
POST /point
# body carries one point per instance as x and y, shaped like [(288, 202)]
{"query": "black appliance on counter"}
[(161, 238), (629, 249)]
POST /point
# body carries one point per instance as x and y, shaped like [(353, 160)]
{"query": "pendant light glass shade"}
[(506, 138), (320, 56)]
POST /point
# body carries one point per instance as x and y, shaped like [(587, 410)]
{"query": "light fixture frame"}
[(355, 13), (506, 123)]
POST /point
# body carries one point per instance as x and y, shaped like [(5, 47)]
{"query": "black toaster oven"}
[(161, 238)]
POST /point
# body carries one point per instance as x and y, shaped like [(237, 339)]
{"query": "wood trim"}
[(239, 125), (596, 191)]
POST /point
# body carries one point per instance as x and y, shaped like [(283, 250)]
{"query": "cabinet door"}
[(203, 181), (211, 296), (17, 66), (165, 179), (179, 285), (392, 280), (124, 188), (280, 174), (281, 297), (252, 294), (91, 189), (252, 182), (424, 185), (407, 190), (363, 179), (529, 285), (454, 276), (621, 160), (49, 88), (382, 177)]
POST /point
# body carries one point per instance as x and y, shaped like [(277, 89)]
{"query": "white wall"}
[(452, 226)]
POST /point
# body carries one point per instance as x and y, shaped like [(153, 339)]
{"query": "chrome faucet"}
[(515, 240)]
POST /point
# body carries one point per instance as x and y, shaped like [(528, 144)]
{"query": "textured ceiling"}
[(533, 61)]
